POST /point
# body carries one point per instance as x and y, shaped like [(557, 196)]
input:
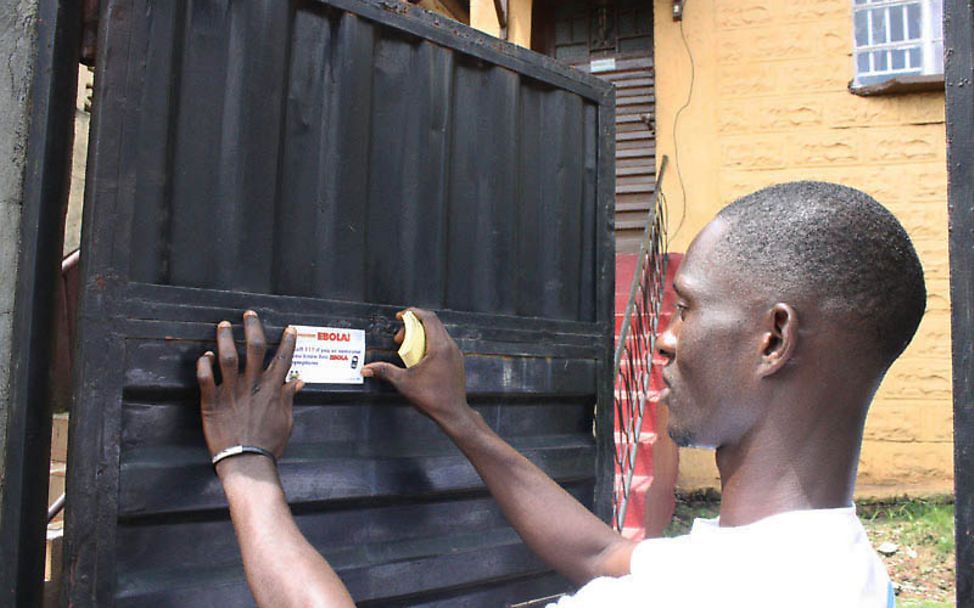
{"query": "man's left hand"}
[(253, 407)]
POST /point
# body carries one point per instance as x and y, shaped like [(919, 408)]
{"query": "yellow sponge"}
[(414, 342)]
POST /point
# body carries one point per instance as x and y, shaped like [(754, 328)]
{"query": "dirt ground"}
[(922, 530), (922, 567)]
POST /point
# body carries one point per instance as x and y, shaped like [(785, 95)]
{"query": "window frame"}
[(929, 43)]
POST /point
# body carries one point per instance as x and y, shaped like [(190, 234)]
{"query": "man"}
[(793, 303)]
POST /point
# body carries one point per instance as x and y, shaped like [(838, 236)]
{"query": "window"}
[(896, 38), (576, 31)]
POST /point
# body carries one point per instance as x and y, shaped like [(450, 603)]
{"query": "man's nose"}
[(666, 343)]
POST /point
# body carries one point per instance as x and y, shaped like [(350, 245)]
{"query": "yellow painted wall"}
[(79, 161), (483, 16), (770, 104), (437, 6)]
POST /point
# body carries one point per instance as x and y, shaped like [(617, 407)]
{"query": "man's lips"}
[(664, 394)]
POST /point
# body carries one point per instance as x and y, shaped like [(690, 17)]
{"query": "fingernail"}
[(224, 324), (300, 385), (250, 313), (366, 372), (290, 330)]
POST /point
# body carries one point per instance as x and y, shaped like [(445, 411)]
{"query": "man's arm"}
[(552, 523), (254, 409), (660, 498)]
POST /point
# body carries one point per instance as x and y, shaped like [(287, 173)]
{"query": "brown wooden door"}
[(634, 79), (613, 39)]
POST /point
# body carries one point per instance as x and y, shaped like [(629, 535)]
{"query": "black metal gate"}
[(959, 74), (327, 163)]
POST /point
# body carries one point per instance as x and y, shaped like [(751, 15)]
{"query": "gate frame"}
[(27, 445), (959, 81), (106, 285)]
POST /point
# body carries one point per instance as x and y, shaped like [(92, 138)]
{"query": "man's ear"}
[(779, 340)]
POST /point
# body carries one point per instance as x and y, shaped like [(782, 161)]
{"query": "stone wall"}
[(17, 46), (770, 103)]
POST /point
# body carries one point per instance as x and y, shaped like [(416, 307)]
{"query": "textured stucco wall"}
[(17, 42), (770, 104)]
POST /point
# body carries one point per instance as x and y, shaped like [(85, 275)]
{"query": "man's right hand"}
[(555, 525), (436, 385)]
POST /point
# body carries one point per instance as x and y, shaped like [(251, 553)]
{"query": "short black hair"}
[(834, 244)]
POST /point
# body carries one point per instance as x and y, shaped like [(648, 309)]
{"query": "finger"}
[(282, 360), (400, 335), (385, 371), (436, 333), (227, 350), (292, 388), (204, 376), (256, 345)]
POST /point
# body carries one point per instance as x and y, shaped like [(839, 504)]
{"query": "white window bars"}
[(894, 38)]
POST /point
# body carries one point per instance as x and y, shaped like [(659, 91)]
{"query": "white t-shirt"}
[(802, 559)]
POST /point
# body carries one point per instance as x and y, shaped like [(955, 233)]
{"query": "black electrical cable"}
[(676, 124)]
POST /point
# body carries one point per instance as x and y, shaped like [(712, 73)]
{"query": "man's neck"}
[(786, 467)]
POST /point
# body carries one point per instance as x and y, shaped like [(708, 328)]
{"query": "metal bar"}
[(543, 601), (500, 6), (959, 77), (639, 353), (634, 286), (55, 508), (605, 304), (46, 183)]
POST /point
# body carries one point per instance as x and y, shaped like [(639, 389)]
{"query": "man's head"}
[(789, 289)]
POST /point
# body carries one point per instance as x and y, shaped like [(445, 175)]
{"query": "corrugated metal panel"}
[(327, 163)]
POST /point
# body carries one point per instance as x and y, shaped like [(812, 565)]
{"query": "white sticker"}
[(602, 65), (328, 355)]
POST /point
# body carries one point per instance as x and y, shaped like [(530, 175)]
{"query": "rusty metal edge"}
[(463, 38), (605, 306)]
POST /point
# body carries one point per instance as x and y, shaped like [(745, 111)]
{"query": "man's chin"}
[(681, 437)]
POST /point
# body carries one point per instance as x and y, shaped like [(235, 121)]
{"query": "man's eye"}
[(682, 308)]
